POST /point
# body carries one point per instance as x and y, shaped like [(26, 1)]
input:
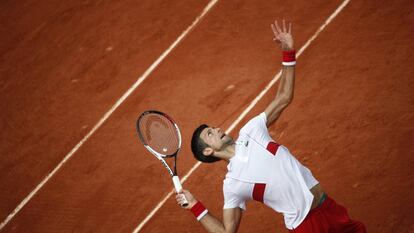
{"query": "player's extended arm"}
[(284, 94), (231, 217), (231, 221)]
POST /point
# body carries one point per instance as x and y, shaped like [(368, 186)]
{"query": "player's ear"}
[(208, 151)]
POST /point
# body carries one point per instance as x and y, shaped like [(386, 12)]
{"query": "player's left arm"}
[(284, 94)]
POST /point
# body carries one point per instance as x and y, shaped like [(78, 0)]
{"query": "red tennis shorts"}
[(329, 217)]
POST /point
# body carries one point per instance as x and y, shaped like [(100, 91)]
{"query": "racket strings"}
[(159, 133)]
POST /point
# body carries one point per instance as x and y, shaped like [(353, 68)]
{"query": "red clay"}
[(351, 121), (63, 65)]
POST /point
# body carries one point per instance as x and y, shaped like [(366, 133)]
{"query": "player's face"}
[(216, 138)]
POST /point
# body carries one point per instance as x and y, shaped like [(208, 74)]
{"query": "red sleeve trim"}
[(272, 147), (258, 192)]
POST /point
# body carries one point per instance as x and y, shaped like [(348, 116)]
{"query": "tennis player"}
[(261, 169)]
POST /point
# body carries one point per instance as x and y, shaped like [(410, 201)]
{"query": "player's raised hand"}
[(283, 35), (190, 198)]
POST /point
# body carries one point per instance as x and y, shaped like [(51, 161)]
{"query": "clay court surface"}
[(64, 64)]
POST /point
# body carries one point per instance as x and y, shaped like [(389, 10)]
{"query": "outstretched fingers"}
[(283, 34), (277, 27), (290, 28), (274, 30)]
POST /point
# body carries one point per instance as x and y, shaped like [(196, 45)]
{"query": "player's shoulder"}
[(256, 123)]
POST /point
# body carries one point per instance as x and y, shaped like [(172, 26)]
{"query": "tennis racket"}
[(161, 136)]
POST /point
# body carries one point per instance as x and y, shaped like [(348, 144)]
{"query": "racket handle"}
[(178, 188)]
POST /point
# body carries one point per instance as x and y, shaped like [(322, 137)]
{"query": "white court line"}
[(109, 113), (244, 113)]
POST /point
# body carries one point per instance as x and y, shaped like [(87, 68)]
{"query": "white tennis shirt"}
[(265, 171)]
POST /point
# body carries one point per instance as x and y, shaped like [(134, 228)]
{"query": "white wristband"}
[(199, 217), (290, 63)]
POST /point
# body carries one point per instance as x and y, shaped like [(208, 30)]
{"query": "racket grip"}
[(178, 188)]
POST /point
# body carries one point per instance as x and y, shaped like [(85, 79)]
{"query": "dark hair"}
[(198, 145)]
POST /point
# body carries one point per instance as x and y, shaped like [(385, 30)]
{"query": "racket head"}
[(159, 133)]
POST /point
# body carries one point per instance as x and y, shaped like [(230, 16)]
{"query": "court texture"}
[(76, 74)]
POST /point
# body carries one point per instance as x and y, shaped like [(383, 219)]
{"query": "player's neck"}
[(226, 153)]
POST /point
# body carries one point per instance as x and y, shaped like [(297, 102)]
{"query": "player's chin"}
[(227, 140)]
